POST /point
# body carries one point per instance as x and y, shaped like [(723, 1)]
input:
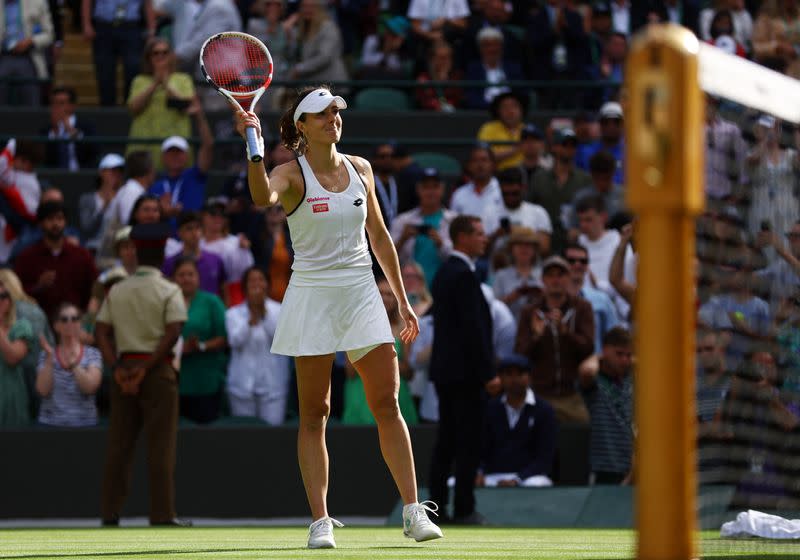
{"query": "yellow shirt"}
[(139, 308), (495, 131)]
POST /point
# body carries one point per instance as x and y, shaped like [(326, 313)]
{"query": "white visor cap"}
[(317, 101)]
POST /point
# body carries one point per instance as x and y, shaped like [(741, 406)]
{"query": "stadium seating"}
[(382, 99)]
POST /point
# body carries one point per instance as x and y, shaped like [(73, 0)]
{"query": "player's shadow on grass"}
[(149, 553)]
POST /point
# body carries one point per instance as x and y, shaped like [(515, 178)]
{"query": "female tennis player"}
[(332, 303)]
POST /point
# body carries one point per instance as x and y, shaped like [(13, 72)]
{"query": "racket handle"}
[(254, 149)]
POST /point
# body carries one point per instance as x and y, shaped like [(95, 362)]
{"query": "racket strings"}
[(237, 65)]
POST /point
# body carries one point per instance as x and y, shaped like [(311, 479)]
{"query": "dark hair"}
[(61, 307), (602, 162), (575, 247), (149, 47), (618, 336), (31, 151), (290, 135), (594, 201), (182, 260), (71, 93), (463, 224), (48, 209), (188, 217), (481, 147), (512, 175), (718, 15), (246, 276), (138, 163), (136, 205)]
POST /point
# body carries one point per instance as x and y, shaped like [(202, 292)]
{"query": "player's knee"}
[(314, 417), (385, 407)]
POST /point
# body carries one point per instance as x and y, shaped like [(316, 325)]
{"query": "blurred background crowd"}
[(544, 174)]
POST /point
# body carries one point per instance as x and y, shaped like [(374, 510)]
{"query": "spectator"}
[(608, 393), (440, 21), (160, 99), (146, 210), (279, 253), (462, 368), (67, 128), (504, 325), (713, 381), (384, 55), (518, 212), (52, 270), (558, 43), (481, 196), (116, 32), (407, 173), (621, 16), (441, 67), (680, 12), (611, 65), (356, 408), (516, 285), (20, 193), (180, 13), (773, 172), (601, 244), (782, 276), (534, 155), (31, 236), (742, 21), (27, 309), (722, 34), (610, 141), (258, 380), (140, 172), (776, 35), (519, 434), (203, 360), (318, 46), (555, 189), (491, 68), (214, 16), (26, 31), (601, 27), (271, 28), (557, 334), (602, 167), (605, 312), (69, 375), (182, 187), (385, 183), (508, 112), (92, 206), (621, 272), (416, 287), (16, 339), (496, 14), (210, 269), (234, 250), (726, 161), (422, 234)]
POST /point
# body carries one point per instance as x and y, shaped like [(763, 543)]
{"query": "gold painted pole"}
[(664, 148)]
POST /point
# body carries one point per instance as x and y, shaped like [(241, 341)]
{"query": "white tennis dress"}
[(332, 302)]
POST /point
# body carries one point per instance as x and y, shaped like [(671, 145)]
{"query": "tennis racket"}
[(239, 67)]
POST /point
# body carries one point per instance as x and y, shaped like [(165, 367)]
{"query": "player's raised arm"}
[(263, 190)]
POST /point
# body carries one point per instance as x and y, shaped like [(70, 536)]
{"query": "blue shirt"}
[(111, 10), (586, 151), (14, 31), (605, 314), (188, 188), (425, 251)]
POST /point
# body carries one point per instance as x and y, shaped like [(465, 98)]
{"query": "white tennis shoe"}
[(416, 524), (320, 533)]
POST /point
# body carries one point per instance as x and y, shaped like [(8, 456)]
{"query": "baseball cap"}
[(531, 131), (111, 161), (555, 261), (122, 234), (216, 203), (397, 25), (611, 110), (112, 275), (178, 142), (514, 360), (430, 173), (317, 101), (564, 134), (767, 121), (489, 33)]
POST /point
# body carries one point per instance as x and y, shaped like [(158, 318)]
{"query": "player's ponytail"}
[(290, 135)]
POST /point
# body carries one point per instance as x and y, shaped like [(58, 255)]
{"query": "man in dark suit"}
[(682, 12), (461, 367), (519, 439), (70, 153)]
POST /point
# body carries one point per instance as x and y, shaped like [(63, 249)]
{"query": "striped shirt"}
[(66, 405), (610, 405)]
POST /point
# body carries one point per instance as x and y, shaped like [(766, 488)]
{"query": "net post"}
[(664, 145)]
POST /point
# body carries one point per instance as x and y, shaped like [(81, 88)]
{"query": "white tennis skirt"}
[(329, 311)]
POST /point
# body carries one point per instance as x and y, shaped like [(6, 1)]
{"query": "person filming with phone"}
[(421, 234)]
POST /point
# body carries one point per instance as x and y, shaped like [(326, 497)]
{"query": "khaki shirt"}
[(139, 308)]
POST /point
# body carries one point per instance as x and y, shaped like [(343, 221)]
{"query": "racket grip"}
[(255, 149)]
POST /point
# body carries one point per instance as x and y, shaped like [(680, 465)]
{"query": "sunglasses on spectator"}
[(4, 295), (575, 260), (159, 52), (69, 318)]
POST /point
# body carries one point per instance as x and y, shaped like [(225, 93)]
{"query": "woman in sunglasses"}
[(69, 375), (16, 337)]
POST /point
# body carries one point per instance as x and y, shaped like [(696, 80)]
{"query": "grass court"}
[(354, 543)]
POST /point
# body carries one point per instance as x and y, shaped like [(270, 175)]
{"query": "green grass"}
[(276, 543)]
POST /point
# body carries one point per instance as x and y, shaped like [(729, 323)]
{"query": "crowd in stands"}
[(559, 265)]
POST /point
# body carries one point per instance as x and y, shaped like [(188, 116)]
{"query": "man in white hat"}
[(181, 187), (92, 206), (611, 140)]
